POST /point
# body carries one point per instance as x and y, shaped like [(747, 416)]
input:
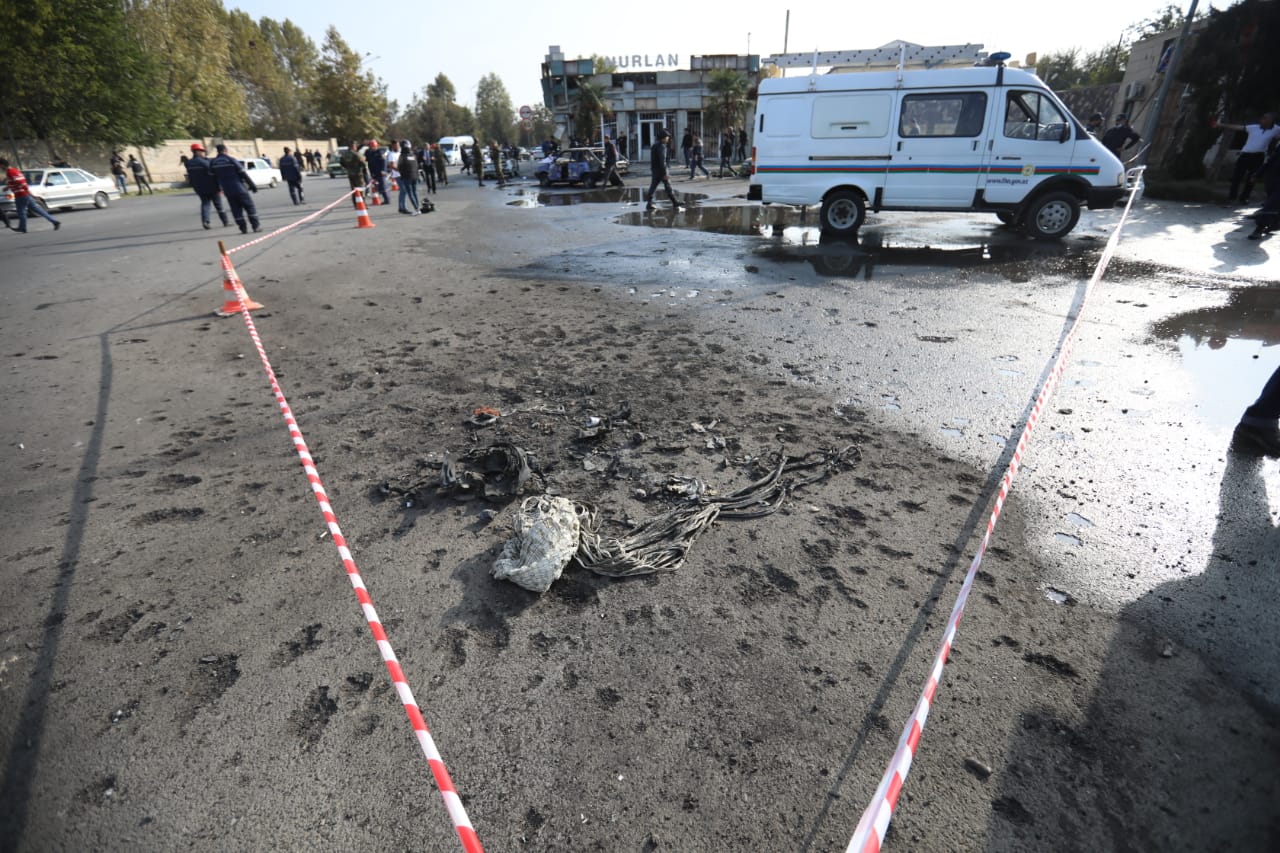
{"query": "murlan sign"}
[(636, 60)]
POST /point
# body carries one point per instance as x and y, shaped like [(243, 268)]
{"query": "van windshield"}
[(1032, 115)]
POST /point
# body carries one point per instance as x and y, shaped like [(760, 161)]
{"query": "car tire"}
[(101, 200), (542, 180), (843, 212), (1052, 215), (274, 183), (590, 181)]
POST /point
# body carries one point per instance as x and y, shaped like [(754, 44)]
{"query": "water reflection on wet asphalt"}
[(1221, 347)]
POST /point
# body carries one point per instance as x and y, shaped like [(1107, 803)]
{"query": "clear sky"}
[(408, 44)]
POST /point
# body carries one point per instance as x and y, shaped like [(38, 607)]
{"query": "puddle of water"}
[(953, 432), (1075, 519), (1057, 596), (1001, 440), (1230, 351), (1067, 538), (1005, 371)]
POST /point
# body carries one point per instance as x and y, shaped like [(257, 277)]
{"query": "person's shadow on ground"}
[(1168, 757)]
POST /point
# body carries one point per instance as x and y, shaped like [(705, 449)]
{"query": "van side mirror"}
[(1066, 132)]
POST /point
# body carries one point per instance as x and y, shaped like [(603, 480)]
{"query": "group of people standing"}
[(400, 162)]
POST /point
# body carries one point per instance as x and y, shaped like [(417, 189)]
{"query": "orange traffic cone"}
[(362, 212), (230, 283), (395, 188), (376, 197)]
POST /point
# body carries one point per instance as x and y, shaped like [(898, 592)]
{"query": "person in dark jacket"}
[(611, 164), (426, 169), (140, 175), (658, 168), (292, 174), (376, 158), (1120, 136), (408, 166), (441, 163), (201, 178), (232, 179)]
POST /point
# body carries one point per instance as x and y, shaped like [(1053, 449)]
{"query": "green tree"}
[(1105, 66), (494, 112), (72, 73), (1061, 70), (188, 38), (276, 66), (729, 96), (350, 103), (600, 65), (590, 109)]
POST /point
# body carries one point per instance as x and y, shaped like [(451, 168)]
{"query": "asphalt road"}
[(1135, 543)]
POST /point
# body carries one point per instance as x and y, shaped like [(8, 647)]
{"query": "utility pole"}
[(786, 34), (1153, 120)]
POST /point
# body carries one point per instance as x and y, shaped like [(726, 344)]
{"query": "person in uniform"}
[(201, 178), (441, 164), (477, 161), (495, 154), (232, 179), (292, 174), (658, 168), (353, 163)]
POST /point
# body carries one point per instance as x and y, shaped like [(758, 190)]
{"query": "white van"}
[(452, 147), (989, 138)]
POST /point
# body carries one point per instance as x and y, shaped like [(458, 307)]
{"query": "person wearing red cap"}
[(205, 184)]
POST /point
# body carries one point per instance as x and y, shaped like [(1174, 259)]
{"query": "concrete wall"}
[(161, 162)]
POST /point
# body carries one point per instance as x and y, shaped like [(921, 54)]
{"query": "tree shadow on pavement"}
[(1179, 748)]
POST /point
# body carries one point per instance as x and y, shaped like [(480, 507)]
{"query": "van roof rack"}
[(899, 54)]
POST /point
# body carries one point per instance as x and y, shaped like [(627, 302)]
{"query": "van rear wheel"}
[(842, 213), (1052, 216)]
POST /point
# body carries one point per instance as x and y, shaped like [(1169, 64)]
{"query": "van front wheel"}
[(1052, 216), (842, 213)]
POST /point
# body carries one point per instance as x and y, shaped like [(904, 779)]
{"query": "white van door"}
[(1032, 139), (938, 150)]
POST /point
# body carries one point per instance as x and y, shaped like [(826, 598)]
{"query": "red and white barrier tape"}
[(457, 813), (869, 834), (322, 211)]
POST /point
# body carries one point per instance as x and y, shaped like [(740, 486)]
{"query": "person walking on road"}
[(659, 172), (695, 158), (353, 163), (477, 161), (292, 174), (726, 152), (140, 175), (1252, 154), (22, 200), (1259, 429), (611, 177), (686, 148), (408, 166), (200, 176), (1120, 136), (232, 179)]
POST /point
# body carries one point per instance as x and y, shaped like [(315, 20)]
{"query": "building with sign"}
[(647, 92)]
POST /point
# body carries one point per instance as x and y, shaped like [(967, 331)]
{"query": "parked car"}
[(334, 168), (624, 165), (570, 166), (510, 167), (262, 173), (64, 188)]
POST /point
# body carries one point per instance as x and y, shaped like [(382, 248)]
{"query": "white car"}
[(64, 188), (262, 173)]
